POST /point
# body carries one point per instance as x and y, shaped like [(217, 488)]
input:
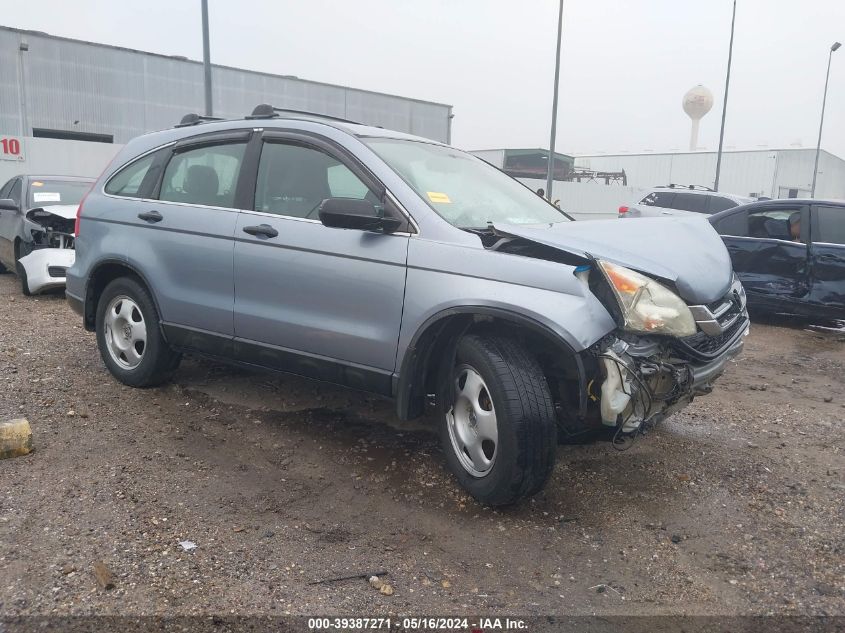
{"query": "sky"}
[(626, 64)]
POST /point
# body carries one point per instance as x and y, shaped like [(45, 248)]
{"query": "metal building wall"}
[(760, 172), (53, 157), (64, 84)]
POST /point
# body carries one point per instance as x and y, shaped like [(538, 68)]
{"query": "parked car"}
[(789, 254), (681, 200), (37, 215), (398, 265)]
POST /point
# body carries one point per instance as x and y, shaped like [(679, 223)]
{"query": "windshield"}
[(43, 193), (463, 190)]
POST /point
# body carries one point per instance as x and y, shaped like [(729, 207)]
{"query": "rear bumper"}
[(76, 303)]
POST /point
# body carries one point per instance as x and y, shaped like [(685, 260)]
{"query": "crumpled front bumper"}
[(646, 380), (47, 267)]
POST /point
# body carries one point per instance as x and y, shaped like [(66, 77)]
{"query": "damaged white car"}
[(37, 228)]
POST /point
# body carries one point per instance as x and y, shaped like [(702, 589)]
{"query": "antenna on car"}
[(192, 118), (267, 111)]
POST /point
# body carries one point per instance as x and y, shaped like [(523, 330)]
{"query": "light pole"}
[(206, 58), (550, 166), (725, 102), (834, 47)]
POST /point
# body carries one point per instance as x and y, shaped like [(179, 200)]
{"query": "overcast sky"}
[(626, 63)]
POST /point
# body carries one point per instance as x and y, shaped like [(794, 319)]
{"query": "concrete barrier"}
[(15, 438)]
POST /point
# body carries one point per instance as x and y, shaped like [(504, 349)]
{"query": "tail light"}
[(79, 213), (623, 210)]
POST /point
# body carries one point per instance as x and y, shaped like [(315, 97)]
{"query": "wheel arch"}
[(103, 273), (432, 348)]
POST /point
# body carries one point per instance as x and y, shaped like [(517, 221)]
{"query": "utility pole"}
[(833, 49), (725, 103), (206, 58), (550, 166)]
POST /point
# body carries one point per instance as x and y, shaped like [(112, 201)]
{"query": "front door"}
[(317, 301), (769, 250), (828, 259)]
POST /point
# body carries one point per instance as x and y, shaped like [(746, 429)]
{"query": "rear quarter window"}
[(659, 199), (129, 180)]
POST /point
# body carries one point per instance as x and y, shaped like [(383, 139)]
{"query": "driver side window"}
[(293, 180)]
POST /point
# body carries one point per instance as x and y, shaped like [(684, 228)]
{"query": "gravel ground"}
[(733, 506)]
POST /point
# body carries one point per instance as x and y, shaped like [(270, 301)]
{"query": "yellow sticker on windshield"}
[(36, 183), (436, 196)]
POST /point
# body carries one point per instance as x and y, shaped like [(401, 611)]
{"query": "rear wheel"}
[(498, 429), (129, 335)]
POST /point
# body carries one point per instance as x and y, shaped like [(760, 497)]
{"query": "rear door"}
[(827, 257), (182, 219), (317, 301), (769, 252)]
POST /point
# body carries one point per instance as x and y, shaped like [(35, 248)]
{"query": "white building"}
[(773, 173)]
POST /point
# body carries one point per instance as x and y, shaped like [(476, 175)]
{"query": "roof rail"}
[(267, 111), (690, 187), (192, 118)]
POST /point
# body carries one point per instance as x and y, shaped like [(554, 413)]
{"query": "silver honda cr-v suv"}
[(394, 264)]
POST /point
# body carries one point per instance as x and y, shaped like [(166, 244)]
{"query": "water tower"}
[(697, 102)]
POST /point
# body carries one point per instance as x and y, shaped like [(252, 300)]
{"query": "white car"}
[(674, 200), (37, 216)]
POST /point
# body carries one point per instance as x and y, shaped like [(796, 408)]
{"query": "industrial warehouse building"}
[(598, 184), (66, 106), (773, 173)]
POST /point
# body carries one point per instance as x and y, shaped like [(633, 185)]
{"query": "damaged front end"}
[(645, 378), (49, 252), (679, 310)]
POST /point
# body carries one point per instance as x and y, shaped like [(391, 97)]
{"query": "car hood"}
[(64, 211), (685, 251)]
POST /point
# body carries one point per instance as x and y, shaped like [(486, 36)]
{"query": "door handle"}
[(264, 230), (151, 216), (830, 258)]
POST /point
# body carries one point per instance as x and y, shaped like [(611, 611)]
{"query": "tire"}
[(23, 279), (129, 335), (519, 460)]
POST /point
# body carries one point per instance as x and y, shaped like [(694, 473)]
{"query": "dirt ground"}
[(733, 506)]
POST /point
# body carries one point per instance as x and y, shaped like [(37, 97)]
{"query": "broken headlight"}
[(647, 306)]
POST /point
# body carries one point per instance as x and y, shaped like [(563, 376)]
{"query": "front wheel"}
[(129, 337), (498, 429)]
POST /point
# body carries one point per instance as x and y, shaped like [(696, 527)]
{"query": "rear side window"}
[(735, 224), (205, 175), (718, 203), (690, 202), (829, 226), (659, 199)]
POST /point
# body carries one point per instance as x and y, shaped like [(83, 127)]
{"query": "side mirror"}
[(351, 213), (7, 204)]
